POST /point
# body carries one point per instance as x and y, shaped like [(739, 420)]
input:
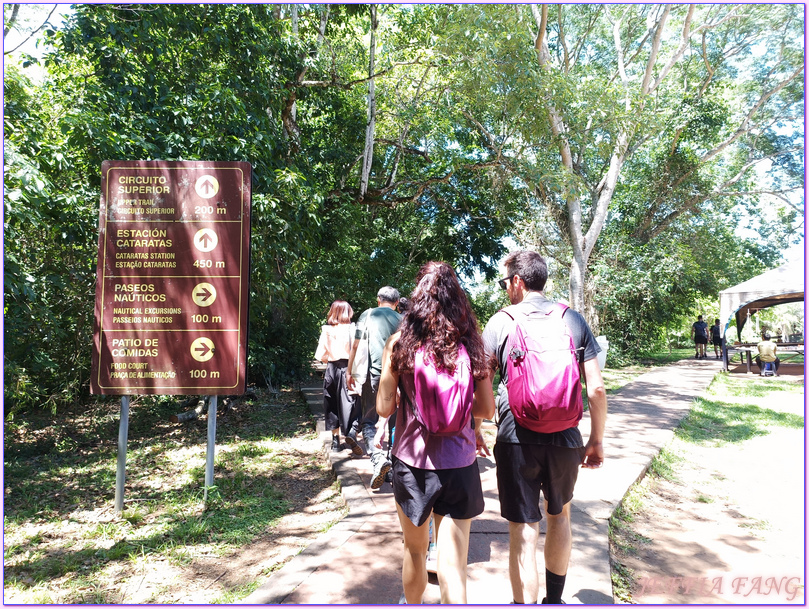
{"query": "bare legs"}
[(453, 549), (522, 561), (414, 564), (523, 538)]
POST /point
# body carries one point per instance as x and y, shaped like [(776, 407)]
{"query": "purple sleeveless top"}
[(414, 445)]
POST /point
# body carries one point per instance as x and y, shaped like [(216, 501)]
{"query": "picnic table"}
[(784, 351)]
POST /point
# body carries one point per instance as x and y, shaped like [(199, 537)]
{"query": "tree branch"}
[(15, 10), (32, 33), (675, 57), (352, 83), (565, 53), (743, 128), (656, 42), (379, 197), (370, 129)]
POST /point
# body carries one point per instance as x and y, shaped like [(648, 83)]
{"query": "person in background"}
[(333, 347), (767, 352), (388, 425), (716, 338), (699, 334), (436, 474), (377, 325)]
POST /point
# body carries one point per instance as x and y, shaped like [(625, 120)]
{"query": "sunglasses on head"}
[(502, 282)]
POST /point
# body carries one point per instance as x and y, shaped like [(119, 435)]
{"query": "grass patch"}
[(737, 409), (234, 595), (616, 378), (61, 533), (720, 421), (664, 465), (622, 582), (727, 385), (663, 358)]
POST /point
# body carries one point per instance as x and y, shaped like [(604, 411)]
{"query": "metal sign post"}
[(172, 289), (120, 474), (212, 404)]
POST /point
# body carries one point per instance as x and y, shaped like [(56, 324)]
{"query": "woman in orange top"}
[(333, 348)]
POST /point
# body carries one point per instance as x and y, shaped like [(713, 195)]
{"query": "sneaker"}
[(381, 468), (351, 441), (335, 444), (545, 602)]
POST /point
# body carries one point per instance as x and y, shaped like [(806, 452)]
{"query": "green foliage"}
[(649, 293), (214, 82), (49, 256), (463, 156)]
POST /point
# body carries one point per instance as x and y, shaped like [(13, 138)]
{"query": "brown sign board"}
[(173, 278)]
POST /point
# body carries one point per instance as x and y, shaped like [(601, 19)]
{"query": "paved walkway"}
[(359, 560)]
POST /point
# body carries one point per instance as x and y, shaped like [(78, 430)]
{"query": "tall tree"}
[(221, 82), (564, 95)]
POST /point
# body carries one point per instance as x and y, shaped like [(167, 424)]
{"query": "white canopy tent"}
[(779, 286)]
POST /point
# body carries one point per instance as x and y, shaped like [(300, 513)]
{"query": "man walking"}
[(529, 461), (377, 324), (699, 334), (716, 338)]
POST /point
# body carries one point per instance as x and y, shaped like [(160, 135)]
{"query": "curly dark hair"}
[(439, 317)]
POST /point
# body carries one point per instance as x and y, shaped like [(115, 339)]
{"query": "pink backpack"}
[(544, 390), (443, 400)]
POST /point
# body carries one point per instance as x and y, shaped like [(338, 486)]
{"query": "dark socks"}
[(554, 586)]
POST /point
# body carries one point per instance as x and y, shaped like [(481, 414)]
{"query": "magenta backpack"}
[(443, 400), (544, 390)]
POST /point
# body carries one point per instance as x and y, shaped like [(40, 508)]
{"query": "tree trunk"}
[(578, 269), (368, 155), (12, 20), (190, 415)]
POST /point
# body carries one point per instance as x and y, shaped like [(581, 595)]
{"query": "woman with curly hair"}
[(333, 347), (436, 473)]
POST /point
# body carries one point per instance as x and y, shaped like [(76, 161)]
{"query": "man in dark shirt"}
[(716, 338), (528, 461), (699, 334)]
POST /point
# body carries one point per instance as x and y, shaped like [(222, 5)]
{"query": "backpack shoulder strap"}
[(559, 309), (505, 310)]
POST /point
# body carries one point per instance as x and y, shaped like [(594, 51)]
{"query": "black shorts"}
[(456, 493), (717, 342), (525, 469), (700, 340)]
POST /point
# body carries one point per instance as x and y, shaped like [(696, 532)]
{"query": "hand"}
[(480, 444), (350, 382), (380, 433), (593, 455)]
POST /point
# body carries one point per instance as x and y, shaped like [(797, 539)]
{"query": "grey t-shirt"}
[(495, 337), (380, 323)]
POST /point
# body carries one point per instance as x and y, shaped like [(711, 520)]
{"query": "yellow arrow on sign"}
[(202, 349)]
